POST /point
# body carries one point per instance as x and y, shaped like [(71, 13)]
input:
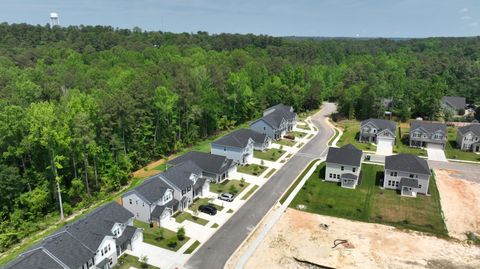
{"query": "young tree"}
[(181, 233)]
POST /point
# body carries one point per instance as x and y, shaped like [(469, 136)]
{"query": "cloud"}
[(466, 18), (463, 10), (473, 24)]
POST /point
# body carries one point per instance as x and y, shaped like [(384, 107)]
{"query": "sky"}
[(329, 18)]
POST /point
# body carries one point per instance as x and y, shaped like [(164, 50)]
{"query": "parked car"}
[(226, 196), (208, 209)]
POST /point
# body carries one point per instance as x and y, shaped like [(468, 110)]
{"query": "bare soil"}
[(305, 236), (460, 201)]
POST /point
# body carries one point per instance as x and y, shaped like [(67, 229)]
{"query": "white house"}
[(378, 131), (343, 165), (237, 146), (407, 173), (468, 137)]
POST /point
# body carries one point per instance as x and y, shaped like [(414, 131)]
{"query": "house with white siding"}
[(276, 121), (343, 165), (428, 134), (407, 173), (468, 137), (237, 146)]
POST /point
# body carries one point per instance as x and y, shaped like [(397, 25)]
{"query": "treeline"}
[(82, 107)]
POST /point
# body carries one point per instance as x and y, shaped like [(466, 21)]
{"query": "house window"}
[(396, 183), (411, 175), (130, 200), (224, 149), (143, 204), (138, 215), (136, 202), (330, 175), (354, 169), (389, 183), (342, 168), (419, 186)]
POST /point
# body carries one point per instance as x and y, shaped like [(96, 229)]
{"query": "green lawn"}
[(192, 247), (126, 261), (161, 167), (183, 216), (451, 150), (310, 136), (153, 236), (269, 155), (297, 181), (369, 203), (226, 186), (351, 131), (250, 192), (401, 145), (203, 201), (330, 142), (300, 145), (285, 142), (298, 134), (215, 225), (252, 169), (230, 211), (270, 173), (303, 127)]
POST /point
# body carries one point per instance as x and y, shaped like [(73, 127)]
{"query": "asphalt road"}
[(467, 171), (214, 253)]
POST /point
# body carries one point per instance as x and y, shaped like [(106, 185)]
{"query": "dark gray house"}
[(428, 134), (456, 103), (407, 173), (94, 241), (343, 165), (216, 168), (237, 146), (276, 121), (378, 131), (468, 137)]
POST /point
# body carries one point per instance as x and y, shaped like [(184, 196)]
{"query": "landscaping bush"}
[(144, 261), (181, 234), (288, 136), (172, 243), (232, 189)]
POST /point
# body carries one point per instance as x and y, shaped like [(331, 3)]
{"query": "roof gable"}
[(347, 155), (239, 139), (407, 163), (381, 125), (455, 102), (428, 126), (474, 128)]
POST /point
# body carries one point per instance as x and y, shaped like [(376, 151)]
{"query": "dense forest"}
[(82, 107)]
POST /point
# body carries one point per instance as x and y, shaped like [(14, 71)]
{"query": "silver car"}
[(226, 196)]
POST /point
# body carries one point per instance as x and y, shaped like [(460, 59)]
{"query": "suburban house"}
[(343, 165), (428, 134), (260, 141), (468, 137), (276, 121), (215, 168), (94, 241), (237, 145), (408, 173), (456, 103), (378, 131), (162, 195), (287, 113)]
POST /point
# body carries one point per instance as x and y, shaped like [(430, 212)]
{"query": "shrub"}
[(181, 234), (144, 261), (232, 189), (242, 182), (172, 242)]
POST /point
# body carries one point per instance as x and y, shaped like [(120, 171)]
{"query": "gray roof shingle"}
[(238, 139), (179, 175), (348, 176), (474, 128), (408, 182), (284, 110), (456, 102), (126, 235), (207, 162), (407, 163), (428, 126), (35, 259), (347, 155), (382, 124), (151, 189)]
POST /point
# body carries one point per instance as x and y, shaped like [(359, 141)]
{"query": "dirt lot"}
[(460, 201), (300, 235)]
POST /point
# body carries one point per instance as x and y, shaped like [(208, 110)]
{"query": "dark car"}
[(208, 209)]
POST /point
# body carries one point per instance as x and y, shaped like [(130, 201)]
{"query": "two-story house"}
[(428, 134), (378, 131), (456, 103), (273, 125), (287, 113), (343, 165), (407, 173), (94, 241), (237, 145), (468, 137), (215, 168)]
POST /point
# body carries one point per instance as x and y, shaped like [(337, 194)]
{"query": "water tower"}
[(54, 19)]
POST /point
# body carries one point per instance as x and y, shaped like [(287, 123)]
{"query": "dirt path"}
[(460, 201), (300, 235)]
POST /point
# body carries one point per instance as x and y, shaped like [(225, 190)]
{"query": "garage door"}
[(384, 146), (136, 240)]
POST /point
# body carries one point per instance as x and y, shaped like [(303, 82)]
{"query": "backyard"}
[(451, 150), (252, 169), (269, 155), (233, 186), (369, 203), (160, 237)]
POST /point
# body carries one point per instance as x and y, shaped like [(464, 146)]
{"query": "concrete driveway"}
[(435, 153), (218, 249), (384, 147)]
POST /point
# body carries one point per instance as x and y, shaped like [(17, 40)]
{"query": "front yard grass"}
[(351, 131), (269, 155), (297, 134), (126, 262), (252, 190), (402, 142), (451, 150), (203, 201), (192, 247), (183, 216), (252, 169), (153, 236), (303, 127), (233, 186), (285, 142), (270, 173), (369, 203)]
